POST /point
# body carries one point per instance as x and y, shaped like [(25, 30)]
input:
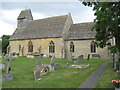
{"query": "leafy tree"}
[(0, 46), (5, 43), (107, 24)]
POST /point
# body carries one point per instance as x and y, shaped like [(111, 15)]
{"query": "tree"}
[(107, 24), (0, 47), (5, 43)]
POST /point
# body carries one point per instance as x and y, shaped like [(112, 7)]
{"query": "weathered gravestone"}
[(37, 71), (40, 70), (79, 59), (38, 62), (2, 66), (8, 76), (56, 66), (52, 63)]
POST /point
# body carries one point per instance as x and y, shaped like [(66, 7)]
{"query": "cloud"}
[(37, 15), (8, 20), (86, 15), (6, 28), (10, 15)]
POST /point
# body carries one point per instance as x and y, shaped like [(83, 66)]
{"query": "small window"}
[(93, 47), (51, 47), (72, 47), (30, 47)]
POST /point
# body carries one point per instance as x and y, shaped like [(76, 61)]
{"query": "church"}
[(57, 36)]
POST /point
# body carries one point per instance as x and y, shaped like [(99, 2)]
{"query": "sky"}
[(9, 11)]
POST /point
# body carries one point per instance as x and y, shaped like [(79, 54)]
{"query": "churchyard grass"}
[(64, 77), (107, 77)]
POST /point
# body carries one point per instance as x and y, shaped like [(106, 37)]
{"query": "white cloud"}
[(38, 15), (10, 15), (8, 20), (84, 16), (6, 28)]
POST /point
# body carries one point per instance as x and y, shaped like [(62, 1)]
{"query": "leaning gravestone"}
[(40, 70), (8, 76), (37, 70)]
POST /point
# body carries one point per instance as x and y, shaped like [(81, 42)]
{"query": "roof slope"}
[(81, 31), (42, 28)]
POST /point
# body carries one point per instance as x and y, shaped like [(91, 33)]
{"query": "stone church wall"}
[(83, 47), (37, 43)]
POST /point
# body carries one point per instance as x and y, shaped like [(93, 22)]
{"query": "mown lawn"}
[(107, 77), (65, 77)]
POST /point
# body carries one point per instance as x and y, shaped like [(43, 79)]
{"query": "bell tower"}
[(24, 18)]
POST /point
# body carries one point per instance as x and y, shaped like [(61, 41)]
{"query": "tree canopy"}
[(5, 42), (107, 25), (107, 22)]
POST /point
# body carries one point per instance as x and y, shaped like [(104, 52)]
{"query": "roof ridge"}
[(51, 17)]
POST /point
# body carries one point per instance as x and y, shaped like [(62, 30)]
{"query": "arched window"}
[(51, 47), (72, 47), (93, 47), (30, 47)]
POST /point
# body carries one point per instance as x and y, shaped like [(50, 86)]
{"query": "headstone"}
[(56, 66), (37, 70), (2, 66), (52, 62), (88, 57), (10, 58), (79, 66), (38, 62), (40, 70), (8, 76), (80, 58), (96, 56)]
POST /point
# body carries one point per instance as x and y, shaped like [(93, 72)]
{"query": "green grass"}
[(107, 77), (65, 77)]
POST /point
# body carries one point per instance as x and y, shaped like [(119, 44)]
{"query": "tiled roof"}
[(81, 31), (42, 28)]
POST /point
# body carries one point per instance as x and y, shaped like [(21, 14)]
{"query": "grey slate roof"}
[(42, 28), (81, 31)]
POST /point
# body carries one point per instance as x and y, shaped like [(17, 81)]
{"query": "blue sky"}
[(9, 12)]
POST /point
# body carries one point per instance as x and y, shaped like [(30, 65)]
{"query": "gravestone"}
[(40, 70), (80, 58), (8, 76), (79, 66), (38, 62), (96, 56), (52, 62), (2, 66), (56, 66)]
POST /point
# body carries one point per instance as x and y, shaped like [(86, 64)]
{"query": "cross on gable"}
[(9, 58)]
